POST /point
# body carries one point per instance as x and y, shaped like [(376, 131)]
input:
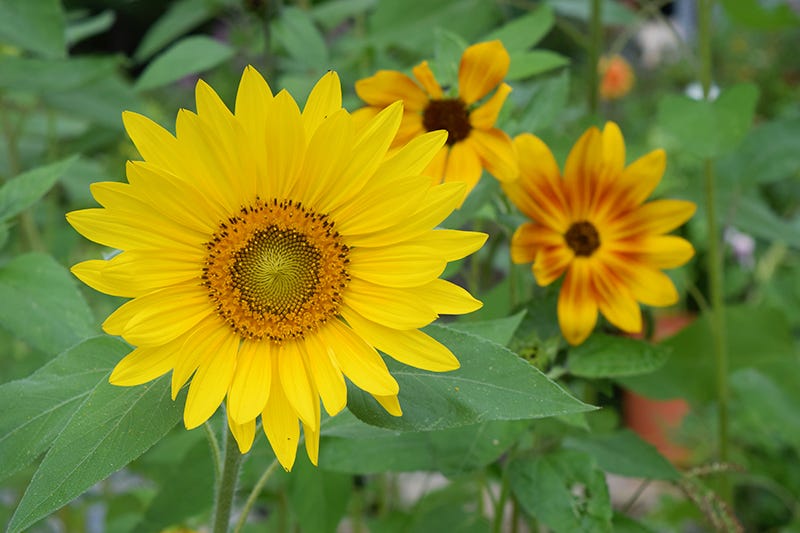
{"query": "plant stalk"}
[(596, 44), (226, 484)]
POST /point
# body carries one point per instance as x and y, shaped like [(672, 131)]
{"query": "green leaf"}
[(527, 64), (89, 27), (492, 384), (37, 408), (301, 39), (564, 490), (53, 75), (752, 14), (190, 55), (21, 192), (333, 12), (521, 33), (187, 490), (544, 100), (603, 356), (753, 216), (624, 453), (317, 497), (767, 154), (112, 427), (40, 304), (181, 17), (349, 445), (613, 12), (101, 102), (709, 129), (35, 26), (499, 330), (757, 337)]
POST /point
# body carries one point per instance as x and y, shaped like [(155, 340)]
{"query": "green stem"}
[(499, 508), (715, 261), (213, 443), (226, 484), (251, 499), (596, 44)]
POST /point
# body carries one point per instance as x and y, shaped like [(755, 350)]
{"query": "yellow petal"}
[(615, 300), (411, 126), (484, 117), (399, 265), (447, 298), (390, 403), (496, 152), (280, 424), (648, 285), (584, 164), (640, 178), (325, 100), (483, 66), (144, 364), (285, 146), (394, 308), (464, 165), (135, 273), (437, 166), (327, 376), (210, 383), (613, 149), (657, 217), (389, 86), (201, 343), (577, 309), (413, 157), (452, 244), (243, 433), (411, 347), (295, 381), (550, 263), (251, 381), (91, 273), (358, 360), (428, 81), (657, 251), (311, 434), (154, 143)]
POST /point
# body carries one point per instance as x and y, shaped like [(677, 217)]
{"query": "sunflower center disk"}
[(448, 114), (276, 270), (583, 238)]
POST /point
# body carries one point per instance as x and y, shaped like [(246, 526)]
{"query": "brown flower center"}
[(583, 238), (449, 114), (276, 270)]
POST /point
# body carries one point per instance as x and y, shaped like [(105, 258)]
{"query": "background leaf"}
[(112, 427), (180, 18), (38, 407), (190, 55), (20, 192), (35, 26), (318, 497), (492, 384), (524, 32), (603, 356), (40, 304), (527, 64)]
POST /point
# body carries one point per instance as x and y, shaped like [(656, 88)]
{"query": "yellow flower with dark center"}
[(593, 223), (269, 253), (473, 143)]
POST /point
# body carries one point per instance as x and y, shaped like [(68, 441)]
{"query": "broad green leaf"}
[(767, 154), (625, 453), (187, 490), (53, 75), (499, 330), (89, 27), (709, 129), (190, 55), (21, 192), (317, 497), (181, 17), (492, 384), (544, 100), (547, 488), (527, 64), (766, 409), (448, 48), (112, 427), (100, 102), (301, 39), (36, 26), (332, 13), (757, 337), (753, 216), (603, 356), (612, 12), (521, 33), (411, 25), (451, 508), (37, 408), (40, 304), (349, 445), (754, 14)]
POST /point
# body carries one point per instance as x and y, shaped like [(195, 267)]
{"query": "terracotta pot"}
[(657, 420)]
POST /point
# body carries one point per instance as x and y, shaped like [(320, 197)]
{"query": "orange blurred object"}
[(616, 77), (656, 421)]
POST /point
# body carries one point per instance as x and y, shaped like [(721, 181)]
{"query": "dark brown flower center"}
[(583, 238), (449, 114)]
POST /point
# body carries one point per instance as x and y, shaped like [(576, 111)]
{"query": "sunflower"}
[(269, 253), (473, 143), (593, 223)]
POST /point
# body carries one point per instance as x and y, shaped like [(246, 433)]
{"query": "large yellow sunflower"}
[(593, 224), (271, 252), (473, 143)]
